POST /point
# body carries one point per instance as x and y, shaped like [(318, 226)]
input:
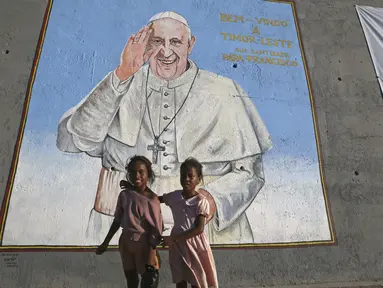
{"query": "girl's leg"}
[(158, 259), (182, 284), (131, 278)]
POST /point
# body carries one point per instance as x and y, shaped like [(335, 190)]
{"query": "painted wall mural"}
[(371, 21), (222, 82)]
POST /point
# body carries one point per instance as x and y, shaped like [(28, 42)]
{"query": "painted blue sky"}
[(84, 41)]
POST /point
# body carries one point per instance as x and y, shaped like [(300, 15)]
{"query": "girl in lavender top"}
[(190, 256)]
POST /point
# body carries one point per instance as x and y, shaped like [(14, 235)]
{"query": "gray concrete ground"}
[(349, 107)]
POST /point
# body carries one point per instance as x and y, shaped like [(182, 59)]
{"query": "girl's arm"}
[(154, 218), (113, 230), (104, 245), (197, 230), (203, 213), (114, 227)]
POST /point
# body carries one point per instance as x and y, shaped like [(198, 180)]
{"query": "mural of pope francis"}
[(169, 110)]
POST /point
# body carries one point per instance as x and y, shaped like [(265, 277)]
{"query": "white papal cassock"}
[(218, 124)]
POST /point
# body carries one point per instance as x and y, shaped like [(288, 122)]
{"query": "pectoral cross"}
[(156, 147)]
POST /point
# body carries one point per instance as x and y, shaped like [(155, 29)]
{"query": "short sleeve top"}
[(185, 211)]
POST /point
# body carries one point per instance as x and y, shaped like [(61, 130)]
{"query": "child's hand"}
[(102, 248), (125, 184)]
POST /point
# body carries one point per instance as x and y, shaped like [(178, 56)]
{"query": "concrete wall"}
[(347, 100)]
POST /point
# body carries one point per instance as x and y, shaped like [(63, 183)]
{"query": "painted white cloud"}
[(291, 206), (54, 192)]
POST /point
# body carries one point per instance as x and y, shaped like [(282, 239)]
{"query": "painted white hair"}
[(174, 16)]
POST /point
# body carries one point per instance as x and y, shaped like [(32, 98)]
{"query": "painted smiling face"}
[(171, 45)]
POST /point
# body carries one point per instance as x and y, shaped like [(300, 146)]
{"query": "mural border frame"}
[(35, 248)]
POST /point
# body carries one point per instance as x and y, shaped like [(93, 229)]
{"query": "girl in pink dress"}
[(138, 212), (190, 256)]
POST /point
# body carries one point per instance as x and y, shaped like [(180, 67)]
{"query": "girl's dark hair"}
[(132, 164), (192, 163)]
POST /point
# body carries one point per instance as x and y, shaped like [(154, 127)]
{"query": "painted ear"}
[(191, 44)]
